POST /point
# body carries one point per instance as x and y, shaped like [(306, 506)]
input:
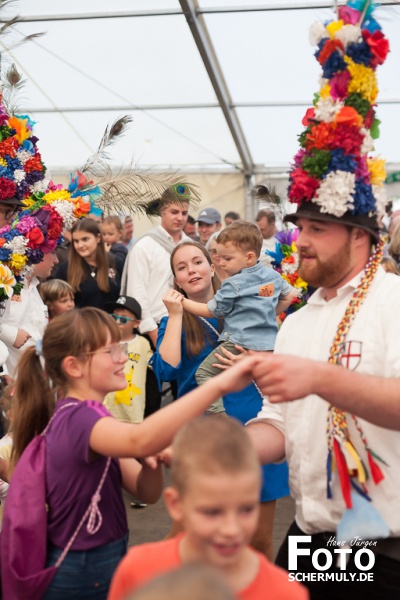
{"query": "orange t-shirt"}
[(145, 562)]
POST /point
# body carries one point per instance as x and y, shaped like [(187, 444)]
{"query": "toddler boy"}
[(214, 494)]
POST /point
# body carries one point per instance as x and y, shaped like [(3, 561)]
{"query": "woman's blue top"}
[(242, 405)]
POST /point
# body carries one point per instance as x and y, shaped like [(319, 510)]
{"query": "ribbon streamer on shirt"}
[(342, 453)]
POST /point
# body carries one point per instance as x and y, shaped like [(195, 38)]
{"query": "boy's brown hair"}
[(114, 220), (242, 234), (211, 445)]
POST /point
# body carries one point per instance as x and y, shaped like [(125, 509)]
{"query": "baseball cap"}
[(209, 216), (125, 302)]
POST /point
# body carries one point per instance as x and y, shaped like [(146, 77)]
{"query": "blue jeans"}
[(85, 574)]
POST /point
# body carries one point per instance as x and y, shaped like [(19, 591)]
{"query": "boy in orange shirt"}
[(214, 494)]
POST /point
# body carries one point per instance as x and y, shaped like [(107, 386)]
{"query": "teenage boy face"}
[(126, 328), (219, 513)]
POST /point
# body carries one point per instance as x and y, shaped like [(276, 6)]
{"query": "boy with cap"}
[(129, 404), (208, 222), (214, 492)]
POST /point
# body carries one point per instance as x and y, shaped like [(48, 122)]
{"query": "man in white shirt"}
[(266, 220), (148, 270), (333, 254)]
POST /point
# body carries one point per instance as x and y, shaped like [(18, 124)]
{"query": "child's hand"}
[(173, 301), (107, 247), (151, 462), (165, 456), (227, 359)]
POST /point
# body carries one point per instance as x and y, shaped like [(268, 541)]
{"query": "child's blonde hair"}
[(194, 581), (6, 404), (55, 289), (211, 445), (114, 220), (244, 235), (390, 265)]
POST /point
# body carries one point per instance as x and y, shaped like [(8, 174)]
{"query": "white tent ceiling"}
[(98, 60)]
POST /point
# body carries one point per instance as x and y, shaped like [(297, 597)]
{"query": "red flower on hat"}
[(320, 136), (7, 188), (35, 237), (309, 117), (302, 187), (348, 138), (34, 164), (379, 46), (8, 147), (330, 46)]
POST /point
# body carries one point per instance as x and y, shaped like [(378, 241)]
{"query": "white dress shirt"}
[(375, 349)]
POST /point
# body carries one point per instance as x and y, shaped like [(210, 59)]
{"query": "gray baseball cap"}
[(209, 216)]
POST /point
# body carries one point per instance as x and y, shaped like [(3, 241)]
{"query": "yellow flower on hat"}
[(333, 27), (7, 280), (56, 195), (17, 261), (363, 80), (377, 170)]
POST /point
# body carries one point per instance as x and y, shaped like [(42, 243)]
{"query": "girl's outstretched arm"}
[(113, 438)]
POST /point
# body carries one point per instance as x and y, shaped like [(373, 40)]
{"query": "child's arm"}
[(110, 437), (196, 308), (284, 303), (144, 481), (170, 347)]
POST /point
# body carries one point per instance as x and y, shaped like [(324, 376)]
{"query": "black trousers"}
[(385, 572)]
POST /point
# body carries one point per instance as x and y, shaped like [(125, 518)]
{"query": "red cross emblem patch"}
[(351, 355)]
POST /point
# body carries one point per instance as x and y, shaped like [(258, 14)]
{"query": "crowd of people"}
[(269, 395), (109, 353)]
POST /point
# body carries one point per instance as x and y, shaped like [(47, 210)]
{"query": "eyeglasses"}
[(122, 320), (117, 352), (8, 212)]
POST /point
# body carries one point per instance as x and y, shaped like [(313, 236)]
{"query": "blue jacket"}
[(247, 301)]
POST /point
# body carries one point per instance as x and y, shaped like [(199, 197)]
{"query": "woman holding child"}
[(185, 340)]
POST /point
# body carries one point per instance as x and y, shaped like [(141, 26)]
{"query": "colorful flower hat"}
[(333, 177), (46, 208)]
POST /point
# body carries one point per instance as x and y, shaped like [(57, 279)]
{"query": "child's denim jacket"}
[(247, 301)]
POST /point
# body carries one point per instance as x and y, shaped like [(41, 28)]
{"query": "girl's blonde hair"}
[(70, 334), (54, 289), (390, 265), (195, 331), (394, 246), (76, 264)]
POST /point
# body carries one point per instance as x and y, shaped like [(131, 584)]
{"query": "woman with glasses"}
[(93, 274), (84, 360)]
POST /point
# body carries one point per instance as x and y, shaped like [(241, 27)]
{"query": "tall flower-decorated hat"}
[(333, 177)]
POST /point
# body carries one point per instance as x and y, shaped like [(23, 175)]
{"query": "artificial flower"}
[(327, 48), (349, 15), (320, 136), (334, 194), (363, 80), (7, 282), (334, 64), (368, 143), (348, 34), (53, 195), (17, 244), (317, 33), (309, 117), (379, 46), (364, 201), (333, 27), (374, 129), (376, 168), (23, 155), (19, 175), (66, 212), (325, 90), (339, 84), (35, 237), (326, 109), (17, 261), (339, 161), (7, 188), (34, 164), (316, 163), (360, 104), (348, 116), (302, 186), (359, 52), (8, 147), (81, 207), (348, 138)]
